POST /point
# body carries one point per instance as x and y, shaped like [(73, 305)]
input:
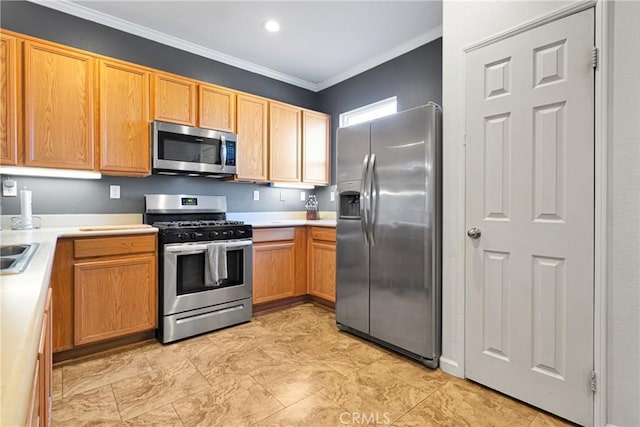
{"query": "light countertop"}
[(283, 219), (292, 223), (22, 300)]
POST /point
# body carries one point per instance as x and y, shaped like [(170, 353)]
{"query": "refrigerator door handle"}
[(373, 199), (364, 214)]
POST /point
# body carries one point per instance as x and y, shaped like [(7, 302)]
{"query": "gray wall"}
[(72, 196), (39, 21), (415, 78)]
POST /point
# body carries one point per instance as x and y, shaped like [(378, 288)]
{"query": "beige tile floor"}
[(289, 368)]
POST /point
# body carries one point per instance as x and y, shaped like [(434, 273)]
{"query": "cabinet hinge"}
[(593, 381), (595, 56)]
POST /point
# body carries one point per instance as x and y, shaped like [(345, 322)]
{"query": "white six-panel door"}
[(530, 192)]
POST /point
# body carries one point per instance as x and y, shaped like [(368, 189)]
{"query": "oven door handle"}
[(194, 249)]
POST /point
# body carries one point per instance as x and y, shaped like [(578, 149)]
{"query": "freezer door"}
[(402, 298), (353, 145), (352, 249)]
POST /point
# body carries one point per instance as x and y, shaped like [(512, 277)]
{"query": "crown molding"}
[(401, 49), (84, 12), (157, 36)]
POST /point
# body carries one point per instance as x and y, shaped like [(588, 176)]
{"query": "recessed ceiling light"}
[(271, 26)]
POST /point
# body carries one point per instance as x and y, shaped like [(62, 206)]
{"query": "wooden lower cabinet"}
[(113, 298), (279, 258), (104, 288), (42, 391), (321, 264), (62, 287), (274, 270), (293, 262)]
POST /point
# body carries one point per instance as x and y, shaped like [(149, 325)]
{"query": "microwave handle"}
[(191, 248), (223, 151)]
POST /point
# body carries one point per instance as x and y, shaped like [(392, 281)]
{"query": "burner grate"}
[(196, 223)]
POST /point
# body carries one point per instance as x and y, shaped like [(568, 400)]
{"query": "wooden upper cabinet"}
[(315, 147), (285, 145), (252, 147), (174, 99), (9, 74), (124, 119), (216, 108), (58, 107)]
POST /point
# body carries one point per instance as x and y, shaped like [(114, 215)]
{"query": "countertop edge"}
[(329, 223)]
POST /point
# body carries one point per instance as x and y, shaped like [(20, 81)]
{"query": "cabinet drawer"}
[(272, 234), (106, 246), (323, 233)]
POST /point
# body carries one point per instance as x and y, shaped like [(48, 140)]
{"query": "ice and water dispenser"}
[(349, 200)]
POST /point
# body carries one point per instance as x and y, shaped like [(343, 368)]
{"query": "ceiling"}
[(320, 43)]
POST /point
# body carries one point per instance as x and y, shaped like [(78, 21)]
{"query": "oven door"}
[(184, 270)]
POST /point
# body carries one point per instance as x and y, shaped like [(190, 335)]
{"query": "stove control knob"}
[(196, 235), (240, 233), (214, 234), (183, 236), (226, 233)]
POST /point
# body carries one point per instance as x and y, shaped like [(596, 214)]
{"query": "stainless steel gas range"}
[(205, 265)]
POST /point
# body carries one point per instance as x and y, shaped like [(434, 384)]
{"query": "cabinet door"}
[(315, 147), (33, 419), (9, 73), (285, 158), (273, 271), (174, 99), (124, 119), (252, 138), (216, 108), (58, 107), (322, 270), (114, 298), (46, 364)]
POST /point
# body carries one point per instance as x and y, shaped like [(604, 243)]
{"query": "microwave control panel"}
[(231, 153)]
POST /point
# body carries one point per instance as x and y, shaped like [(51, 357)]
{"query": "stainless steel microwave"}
[(186, 150)]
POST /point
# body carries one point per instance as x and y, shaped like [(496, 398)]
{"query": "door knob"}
[(474, 233)]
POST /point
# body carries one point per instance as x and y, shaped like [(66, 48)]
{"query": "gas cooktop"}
[(203, 223)]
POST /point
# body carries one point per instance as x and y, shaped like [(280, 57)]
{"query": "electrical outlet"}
[(302, 196), (282, 197), (332, 196), (114, 191), (9, 188), (256, 195)]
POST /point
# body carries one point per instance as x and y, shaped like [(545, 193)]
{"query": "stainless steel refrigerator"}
[(388, 280)]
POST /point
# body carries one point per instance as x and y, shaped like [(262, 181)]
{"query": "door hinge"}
[(595, 56), (593, 381)]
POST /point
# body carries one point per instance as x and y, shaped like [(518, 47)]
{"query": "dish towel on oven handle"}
[(216, 266)]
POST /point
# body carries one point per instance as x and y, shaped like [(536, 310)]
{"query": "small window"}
[(369, 112)]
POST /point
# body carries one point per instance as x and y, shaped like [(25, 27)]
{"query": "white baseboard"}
[(451, 367)]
